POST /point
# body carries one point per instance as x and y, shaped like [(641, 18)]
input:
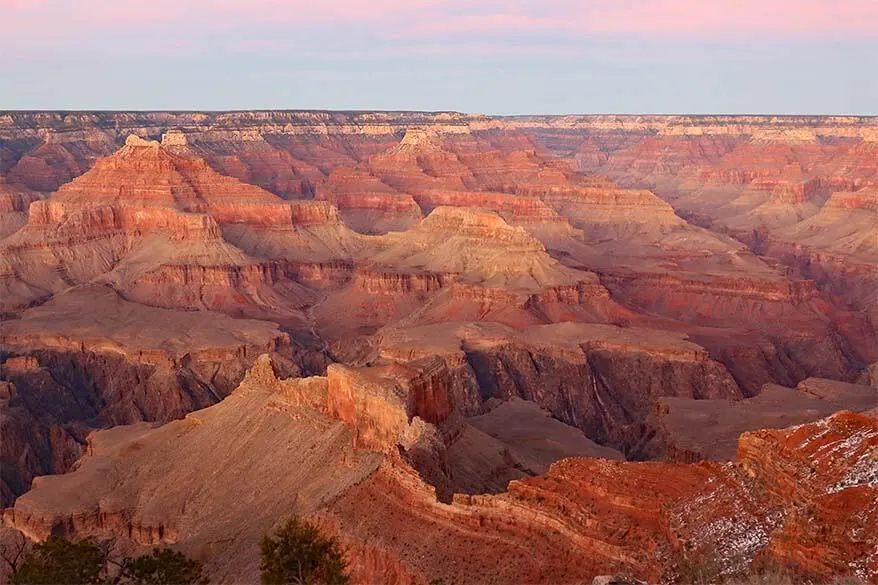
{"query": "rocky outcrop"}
[(316, 456), (584, 517), (74, 226), (607, 205), (380, 404), (390, 282), (154, 222), (516, 209), (499, 255), (864, 200), (588, 517), (143, 174), (603, 380), (692, 430), (88, 360), (827, 475), (14, 203)]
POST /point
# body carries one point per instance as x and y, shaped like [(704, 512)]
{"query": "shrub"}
[(298, 554), (162, 567), (59, 561)]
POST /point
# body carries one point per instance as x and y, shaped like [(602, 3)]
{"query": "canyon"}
[(478, 349)]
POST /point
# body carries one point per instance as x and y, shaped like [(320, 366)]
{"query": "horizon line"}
[(430, 112)]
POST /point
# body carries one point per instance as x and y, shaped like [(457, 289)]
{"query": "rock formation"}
[(584, 517), (691, 430), (88, 359), (14, 203), (482, 304), (601, 379)]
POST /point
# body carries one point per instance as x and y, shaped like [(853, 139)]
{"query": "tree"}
[(162, 567), (298, 554), (57, 561)]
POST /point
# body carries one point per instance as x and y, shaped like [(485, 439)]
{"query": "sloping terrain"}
[(475, 327), (339, 452)]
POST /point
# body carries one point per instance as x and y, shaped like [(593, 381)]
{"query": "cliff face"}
[(796, 190), (604, 380), (582, 518), (493, 295), (840, 454), (379, 404), (590, 516), (14, 203), (91, 360)]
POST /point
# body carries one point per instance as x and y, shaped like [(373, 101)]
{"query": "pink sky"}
[(394, 18), (525, 56)]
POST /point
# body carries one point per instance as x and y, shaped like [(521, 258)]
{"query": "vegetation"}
[(298, 554), (705, 570), (162, 567), (58, 561)]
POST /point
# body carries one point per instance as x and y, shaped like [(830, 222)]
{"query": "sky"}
[(486, 56)]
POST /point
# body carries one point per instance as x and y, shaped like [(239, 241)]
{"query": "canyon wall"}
[(584, 517)]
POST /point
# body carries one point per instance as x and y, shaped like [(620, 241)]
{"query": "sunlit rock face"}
[(357, 452), (496, 350)]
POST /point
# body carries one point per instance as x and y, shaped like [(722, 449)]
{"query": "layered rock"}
[(690, 430), (380, 404), (89, 359), (14, 204), (154, 221), (836, 247), (654, 262), (585, 517), (600, 211), (601, 379), (367, 204), (496, 254), (459, 264), (317, 460), (830, 525), (463, 219), (144, 174), (453, 170), (49, 166), (249, 157), (762, 180)]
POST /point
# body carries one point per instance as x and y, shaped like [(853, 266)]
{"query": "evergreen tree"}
[(298, 554)]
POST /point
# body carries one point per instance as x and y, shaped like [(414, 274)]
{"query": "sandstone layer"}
[(584, 517), (88, 359), (495, 314)]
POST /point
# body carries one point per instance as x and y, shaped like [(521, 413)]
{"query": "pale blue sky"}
[(482, 56)]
